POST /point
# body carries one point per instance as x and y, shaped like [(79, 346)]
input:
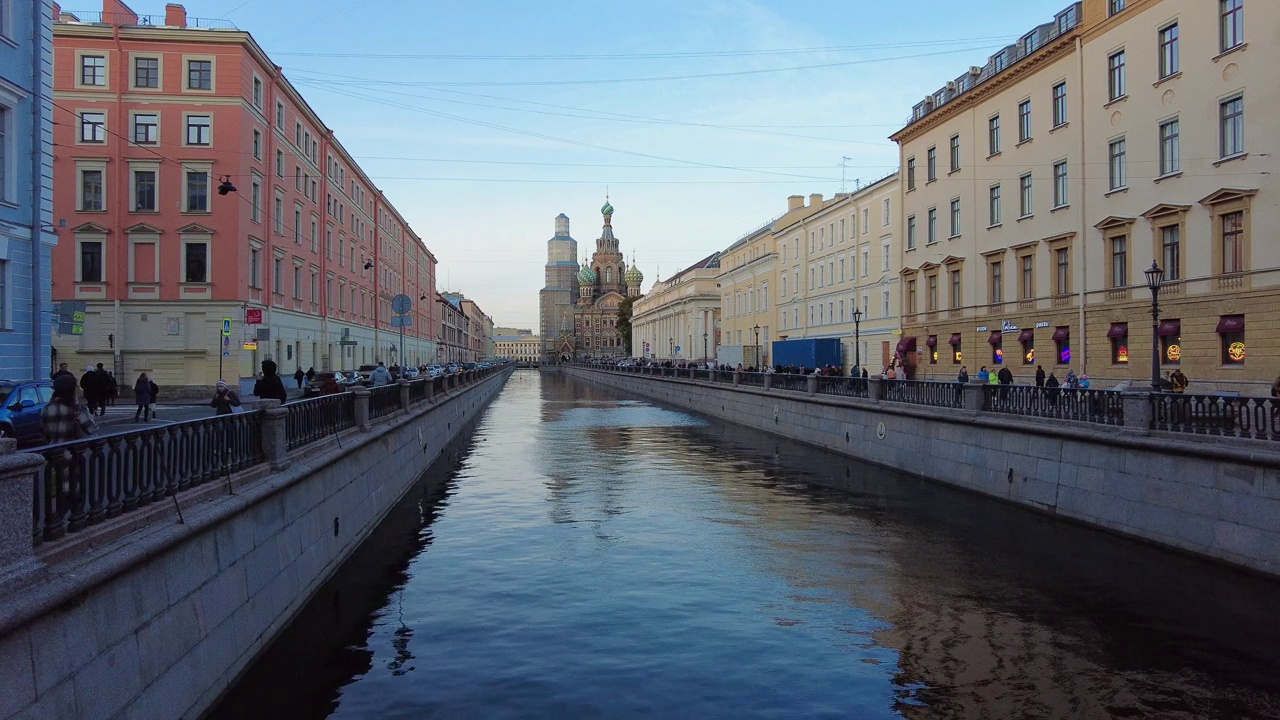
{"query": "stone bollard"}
[(737, 378), (875, 389), (768, 382), (19, 473), (811, 384), (362, 407), (404, 394), (275, 438), (1137, 413), (430, 387), (975, 396)]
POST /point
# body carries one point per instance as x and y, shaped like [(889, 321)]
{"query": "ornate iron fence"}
[(751, 379), (1223, 416), (920, 392), (418, 391), (87, 481), (724, 375), (786, 381), (310, 420), (846, 386), (1096, 406), (385, 400), (699, 374)]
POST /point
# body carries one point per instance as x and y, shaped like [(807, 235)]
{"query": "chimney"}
[(115, 12), (795, 202), (815, 200), (175, 15), (57, 12)]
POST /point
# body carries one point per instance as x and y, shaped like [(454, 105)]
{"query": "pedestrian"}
[(964, 375), (155, 396), (1084, 382), (983, 375), (1275, 388), (60, 418), (1051, 386), (63, 370), (142, 397), (225, 400), (1072, 381), (864, 373), (380, 376), (1005, 375), (890, 373), (90, 386), (311, 374), (269, 385), (993, 378), (299, 375), (113, 388), (104, 389), (1179, 381), (1039, 376)]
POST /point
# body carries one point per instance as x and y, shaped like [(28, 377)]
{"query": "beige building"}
[(680, 317), (1039, 186), (523, 348), (748, 269)]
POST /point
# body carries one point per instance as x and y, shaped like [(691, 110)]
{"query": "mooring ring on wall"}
[(880, 430)]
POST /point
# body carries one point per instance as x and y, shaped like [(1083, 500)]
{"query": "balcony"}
[(113, 19)]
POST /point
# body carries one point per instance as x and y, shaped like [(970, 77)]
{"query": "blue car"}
[(20, 406)]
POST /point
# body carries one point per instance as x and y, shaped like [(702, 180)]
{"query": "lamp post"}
[(1155, 278), (857, 344), (757, 329), (704, 346), (671, 348)]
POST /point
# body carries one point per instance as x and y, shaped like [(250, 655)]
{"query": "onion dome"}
[(633, 277), (607, 209), (586, 276)]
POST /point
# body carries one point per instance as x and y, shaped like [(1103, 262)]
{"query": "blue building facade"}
[(26, 187)]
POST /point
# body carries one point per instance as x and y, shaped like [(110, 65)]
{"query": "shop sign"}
[(1173, 353), (1122, 354), (1042, 324), (1007, 326), (1235, 351), (250, 344), (982, 328)]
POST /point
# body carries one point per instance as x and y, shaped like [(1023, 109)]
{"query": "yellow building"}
[(1038, 187), (680, 317), (748, 269), (521, 348)]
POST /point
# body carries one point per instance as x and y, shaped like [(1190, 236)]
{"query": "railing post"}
[(404, 394), (974, 396), (875, 389), (362, 407), (430, 388), (19, 478), (811, 384), (768, 382), (275, 439), (1137, 413), (737, 378)]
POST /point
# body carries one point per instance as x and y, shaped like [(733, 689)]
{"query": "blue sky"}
[(482, 137)]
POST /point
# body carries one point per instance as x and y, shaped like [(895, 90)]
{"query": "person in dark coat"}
[(311, 374), (104, 389), (1005, 375), (142, 396), (298, 376), (92, 388), (63, 370), (269, 386), (1039, 376), (155, 395)]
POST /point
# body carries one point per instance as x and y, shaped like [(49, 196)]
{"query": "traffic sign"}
[(250, 344), (402, 321), (226, 327), (253, 316), (401, 304), (226, 353)]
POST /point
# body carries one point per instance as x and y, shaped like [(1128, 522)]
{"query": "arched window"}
[(608, 275)]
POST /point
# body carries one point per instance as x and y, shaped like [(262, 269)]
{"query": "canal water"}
[(584, 554)]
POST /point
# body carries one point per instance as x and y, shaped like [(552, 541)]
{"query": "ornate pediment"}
[(195, 229), (609, 301), (90, 227), (1114, 221), (1164, 209), (1226, 195), (143, 229)]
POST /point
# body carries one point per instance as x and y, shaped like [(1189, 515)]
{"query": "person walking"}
[(1179, 381), (142, 397), (155, 397), (1275, 388), (1005, 375), (380, 376), (225, 400), (62, 370), (104, 389), (1040, 376), (1051, 388), (299, 375), (269, 386), (60, 418), (311, 374), (91, 387), (113, 388)]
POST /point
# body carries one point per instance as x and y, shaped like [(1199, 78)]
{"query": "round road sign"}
[(401, 304)]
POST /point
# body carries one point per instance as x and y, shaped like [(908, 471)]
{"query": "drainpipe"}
[(1084, 199), (117, 218), (38, 318)]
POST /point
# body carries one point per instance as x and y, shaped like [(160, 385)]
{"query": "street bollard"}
[(811, 384), (1137, 413), (275, 439), (875, 389), (404, 394), (362, 407)]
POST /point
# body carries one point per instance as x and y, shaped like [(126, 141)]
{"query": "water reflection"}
[(601, 557)]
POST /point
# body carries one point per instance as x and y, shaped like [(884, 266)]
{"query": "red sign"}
[(253, 316)]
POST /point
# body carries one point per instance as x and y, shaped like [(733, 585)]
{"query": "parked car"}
[(20, 406), (435, 371), (365, 372), (411, 373)]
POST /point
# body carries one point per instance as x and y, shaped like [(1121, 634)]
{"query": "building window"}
[(1170, 342), (1027, 338), (91, 261), (1060, 196), (255, 272), (146, 72), (1116, 171), (146, 129), (93, 127), (1170, 151), (911, 297), (1062, 344), (93, 70), (1024, 195), (257, 144), (1169, 51), (993, 135), (1114, 6), (1231, 126), (956, 356), (956, 297), (1060, 104), (315, 292), (884, 213), (1062, 259), (279, 114), (993, 205), (1028, 282), (297, 224), (997, 348), (932, 297), (1232, 32), (279, 215), (257, 92), (911, 235), (1171, 251), (144, 190), (955, 153), (91, 191), (955, 217), (1233, 242), (1231, 337), (297, 283), (1024, 121), (1119, 337), (911, 175), (931, 164), (199, 74), (1120, 261), (197, 191), (277, 281), (279, 163), (199, 130), (1115, 75), (996, 291), (196, 264)]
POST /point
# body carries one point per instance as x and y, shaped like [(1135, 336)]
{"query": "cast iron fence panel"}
[(418, 391), (752, 379), (922, 392), (724, 376), (846, 386), (87, 481), (1104, 407), (787, 381), (1223, 416), (699, 374), (316, 418), (385, 400)]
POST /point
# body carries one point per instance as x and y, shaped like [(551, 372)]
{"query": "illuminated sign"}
[(999, 356), (1236, 351), (1065, 355), (1122, 354), (250, 344), (1173, 353), (1031, 355)]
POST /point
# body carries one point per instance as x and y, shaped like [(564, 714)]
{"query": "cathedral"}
[(585, 325)]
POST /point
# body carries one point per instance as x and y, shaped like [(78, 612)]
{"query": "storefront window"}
[(1231, 337), (956, 357), (1062, 344), (997, 348), (1170, 342), (1119, 336), (1027, 338), (932, 345)]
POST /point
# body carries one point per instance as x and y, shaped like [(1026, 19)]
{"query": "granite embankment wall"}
[(1216, 499), (159, 622)]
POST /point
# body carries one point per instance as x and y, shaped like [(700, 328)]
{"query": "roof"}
[(710, 262)]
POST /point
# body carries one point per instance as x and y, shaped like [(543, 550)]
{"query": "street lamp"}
[(857, 345), (757, 329), (1155, 278), (671, 347), (704, 346)]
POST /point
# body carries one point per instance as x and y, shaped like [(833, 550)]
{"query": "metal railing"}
[(845, 386), (751, 379), (923, 392), (383, 401), (787, 381), (311, 420), (87, 481), (97, 17), (418, 390), (1095, 406), (1219, 415)]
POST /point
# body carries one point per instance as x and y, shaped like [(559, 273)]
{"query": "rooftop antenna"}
[(843, 165)]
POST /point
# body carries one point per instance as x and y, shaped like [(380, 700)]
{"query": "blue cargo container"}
[(807, 353)]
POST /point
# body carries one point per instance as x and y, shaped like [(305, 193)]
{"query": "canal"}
[(582, 554)]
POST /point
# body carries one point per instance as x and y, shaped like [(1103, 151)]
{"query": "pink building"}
[(153, 115)]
